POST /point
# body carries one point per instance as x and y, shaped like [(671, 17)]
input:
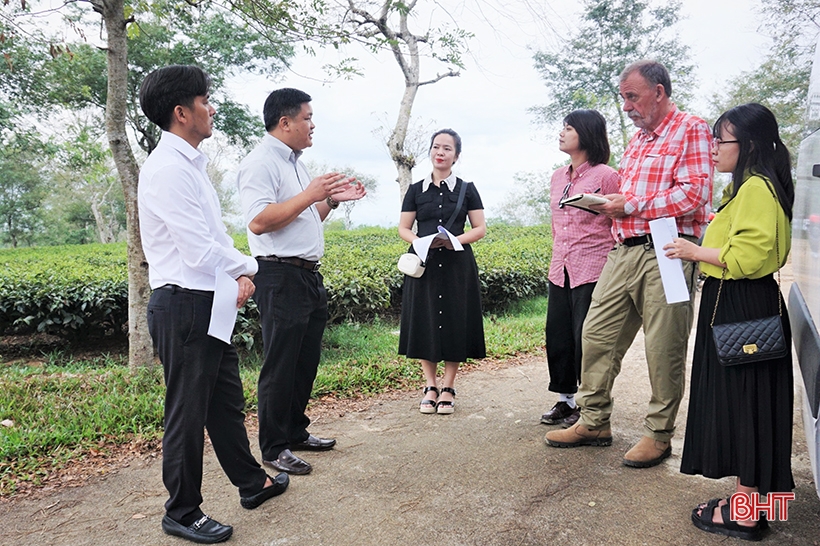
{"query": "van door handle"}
[(815, 170)]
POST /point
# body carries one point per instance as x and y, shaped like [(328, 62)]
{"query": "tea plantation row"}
[(81, 291)]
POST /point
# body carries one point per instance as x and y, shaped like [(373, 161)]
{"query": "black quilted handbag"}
[(750, 340)]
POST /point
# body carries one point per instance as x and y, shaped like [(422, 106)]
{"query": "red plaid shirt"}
[(580, 240), (667, 173)]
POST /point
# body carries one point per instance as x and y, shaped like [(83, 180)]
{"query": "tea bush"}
[(79, 291)]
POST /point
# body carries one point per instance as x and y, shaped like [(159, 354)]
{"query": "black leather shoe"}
[(314, 444), (204, 531), (277, 487), (290, 463), (558, 413)]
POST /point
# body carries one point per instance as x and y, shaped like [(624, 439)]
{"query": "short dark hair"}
[(165, 88), (652, 71), (456, 139), (283, 102), (592, 138), (761, 151)]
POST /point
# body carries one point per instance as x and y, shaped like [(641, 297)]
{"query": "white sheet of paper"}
[(223, 310), (455, 242), (674, 284), (422, 244)]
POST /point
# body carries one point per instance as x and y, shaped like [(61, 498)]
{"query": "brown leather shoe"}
[(579, 435), (647, 452)]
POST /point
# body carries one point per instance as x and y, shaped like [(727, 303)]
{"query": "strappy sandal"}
[(729, 528), (446, 407), (428, 406)]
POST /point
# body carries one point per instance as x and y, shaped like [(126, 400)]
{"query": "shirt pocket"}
[(424, 198)]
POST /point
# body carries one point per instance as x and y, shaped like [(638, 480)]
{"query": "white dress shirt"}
[(183, 236), (272, 173)]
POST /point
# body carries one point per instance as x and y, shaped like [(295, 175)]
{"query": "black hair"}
[(652, 71), (165, 88), (592, 138), (456, 139), (285, 102), (761, 152)]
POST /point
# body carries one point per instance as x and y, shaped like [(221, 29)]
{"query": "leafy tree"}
[(87, 201), (117, 95), (529, 203), (781, 81), (584, 71), (73, 75), (369, 182), (22, 188)]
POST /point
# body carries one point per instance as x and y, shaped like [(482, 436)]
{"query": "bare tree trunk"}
[(103, 231), (404, 162), (140, 349), (407, 57)]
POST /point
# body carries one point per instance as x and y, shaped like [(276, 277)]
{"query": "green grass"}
[(63, 408)]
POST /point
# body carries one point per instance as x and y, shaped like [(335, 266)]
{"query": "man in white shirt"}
[(284, 209), (186, 245)]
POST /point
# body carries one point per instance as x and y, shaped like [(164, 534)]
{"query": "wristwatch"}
[(332, 203)]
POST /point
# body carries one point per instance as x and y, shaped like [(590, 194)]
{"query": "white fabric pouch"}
[(411, 265)]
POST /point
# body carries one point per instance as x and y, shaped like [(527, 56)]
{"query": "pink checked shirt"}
[(580, 240), (667, 173)]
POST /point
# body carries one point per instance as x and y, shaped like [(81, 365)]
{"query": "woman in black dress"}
[(441, 317), (740, 417)]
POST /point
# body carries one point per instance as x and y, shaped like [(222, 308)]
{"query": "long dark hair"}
[(761, 150), (591, 128)]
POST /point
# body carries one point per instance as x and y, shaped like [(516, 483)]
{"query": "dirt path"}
[(480, 477)]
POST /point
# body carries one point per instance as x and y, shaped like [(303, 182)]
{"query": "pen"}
[(597, 191)]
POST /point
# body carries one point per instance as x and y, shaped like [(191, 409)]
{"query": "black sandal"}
[(729, 528), (446, 407), (428, 406)]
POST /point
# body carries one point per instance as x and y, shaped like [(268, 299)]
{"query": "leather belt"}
[(636, 241), (298, 262), (647, 239), (173, 289)]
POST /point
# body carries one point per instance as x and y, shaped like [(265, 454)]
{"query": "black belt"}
[(636, 241), (174, 289), (647, 239), (298, 262)]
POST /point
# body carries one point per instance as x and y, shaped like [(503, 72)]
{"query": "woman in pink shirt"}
[(581, 240)]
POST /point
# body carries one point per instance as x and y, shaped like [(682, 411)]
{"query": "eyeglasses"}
[(716, 142), (564, 195)]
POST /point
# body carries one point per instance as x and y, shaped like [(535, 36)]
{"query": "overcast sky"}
[(488, 103)]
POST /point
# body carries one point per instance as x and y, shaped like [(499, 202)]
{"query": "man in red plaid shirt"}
[(666, 171)]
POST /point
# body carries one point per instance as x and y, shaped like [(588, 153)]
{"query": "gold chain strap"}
[(777, 250)]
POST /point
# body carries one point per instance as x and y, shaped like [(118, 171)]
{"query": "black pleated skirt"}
[(740, 417), (441, 315)]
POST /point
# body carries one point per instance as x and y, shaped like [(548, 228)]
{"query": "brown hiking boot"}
[(648, 452), (579, 435)]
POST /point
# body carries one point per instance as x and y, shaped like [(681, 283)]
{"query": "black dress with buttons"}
[(441, 310)]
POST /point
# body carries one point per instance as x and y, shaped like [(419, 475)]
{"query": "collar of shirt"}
[(287, 153), (182, 146), (582, 168), (450, 181), (663, 126)]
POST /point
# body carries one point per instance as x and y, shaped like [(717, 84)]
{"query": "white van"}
[(804, 297)]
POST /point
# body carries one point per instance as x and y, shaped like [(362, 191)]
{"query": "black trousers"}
[(292, 304), (203, 391), (566, 310)]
